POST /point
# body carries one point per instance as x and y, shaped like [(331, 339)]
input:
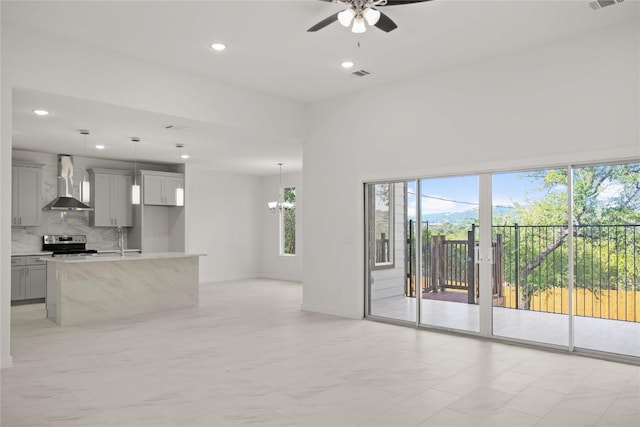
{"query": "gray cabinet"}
[(160, 188), (26, 185), (28, 278), (35, 281), (17, 284), (111, 190), (159, 219)]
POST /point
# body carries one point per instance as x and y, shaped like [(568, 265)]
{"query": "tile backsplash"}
[(24, 239)]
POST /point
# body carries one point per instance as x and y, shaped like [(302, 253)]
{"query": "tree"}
[(289, 222), (601, 195)]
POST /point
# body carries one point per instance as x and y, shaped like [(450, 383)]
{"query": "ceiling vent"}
[(361, 73), (599, 4), (176, 127)]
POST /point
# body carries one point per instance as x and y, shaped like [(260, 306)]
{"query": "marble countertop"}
[(46, 253), (31, 253), (115, 251), (110, 257)]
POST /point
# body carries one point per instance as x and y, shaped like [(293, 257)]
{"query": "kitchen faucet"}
[(120, 240)]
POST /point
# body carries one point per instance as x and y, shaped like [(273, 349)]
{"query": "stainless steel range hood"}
[(66, 202)]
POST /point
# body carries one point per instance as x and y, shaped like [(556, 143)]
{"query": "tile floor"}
[(249, 355)]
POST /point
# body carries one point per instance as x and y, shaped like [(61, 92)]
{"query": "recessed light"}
[(40, 112), (347, 64), (185, 156), (100, 147), (218, 46)]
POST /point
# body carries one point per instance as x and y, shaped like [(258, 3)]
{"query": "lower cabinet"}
[(28, 278)]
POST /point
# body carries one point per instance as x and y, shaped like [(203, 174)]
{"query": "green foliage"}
[(604, 256), (289, 222)]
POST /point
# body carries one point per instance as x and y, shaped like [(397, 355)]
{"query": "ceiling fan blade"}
[(385, 23), (330, 20), (399, 2)]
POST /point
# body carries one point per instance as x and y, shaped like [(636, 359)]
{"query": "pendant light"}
[(85, 185), (135, 188), (180, 188)]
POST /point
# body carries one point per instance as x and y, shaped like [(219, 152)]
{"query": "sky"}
[(460, 193)]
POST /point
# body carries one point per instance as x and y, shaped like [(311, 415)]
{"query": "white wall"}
[(224, 221), (275, 266), (5, 213), (571, 101)]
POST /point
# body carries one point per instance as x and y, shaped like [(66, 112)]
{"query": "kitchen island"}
[(101, 287)]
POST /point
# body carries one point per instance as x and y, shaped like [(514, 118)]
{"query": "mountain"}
[(468, 216)]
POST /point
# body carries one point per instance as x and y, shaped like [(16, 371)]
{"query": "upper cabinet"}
[(111, 193), (162, 188), (26, 187)]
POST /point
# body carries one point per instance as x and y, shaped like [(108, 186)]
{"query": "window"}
[(288, 223), (383, 223)]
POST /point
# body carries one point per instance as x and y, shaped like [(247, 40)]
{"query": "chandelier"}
[(280, 204)]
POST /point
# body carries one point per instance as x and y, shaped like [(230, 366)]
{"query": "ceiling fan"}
[(361, 11)]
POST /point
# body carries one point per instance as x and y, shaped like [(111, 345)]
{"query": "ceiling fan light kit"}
[(372, 16), (358, 26), (346, 16), (360, 11)]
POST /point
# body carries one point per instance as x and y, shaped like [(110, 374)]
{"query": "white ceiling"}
[(269, 51), (217, 147)]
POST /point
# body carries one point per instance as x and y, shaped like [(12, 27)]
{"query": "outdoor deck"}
[(454, 295), (614, 336)]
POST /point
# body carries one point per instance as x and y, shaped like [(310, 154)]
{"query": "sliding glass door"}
[(449, 275), (560, 266), (606, 212), (390, 250), (531, 259)]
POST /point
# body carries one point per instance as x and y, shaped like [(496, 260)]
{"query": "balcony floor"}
[(613, 336)]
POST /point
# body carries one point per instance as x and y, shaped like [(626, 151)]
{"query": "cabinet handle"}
[(20, 220)]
